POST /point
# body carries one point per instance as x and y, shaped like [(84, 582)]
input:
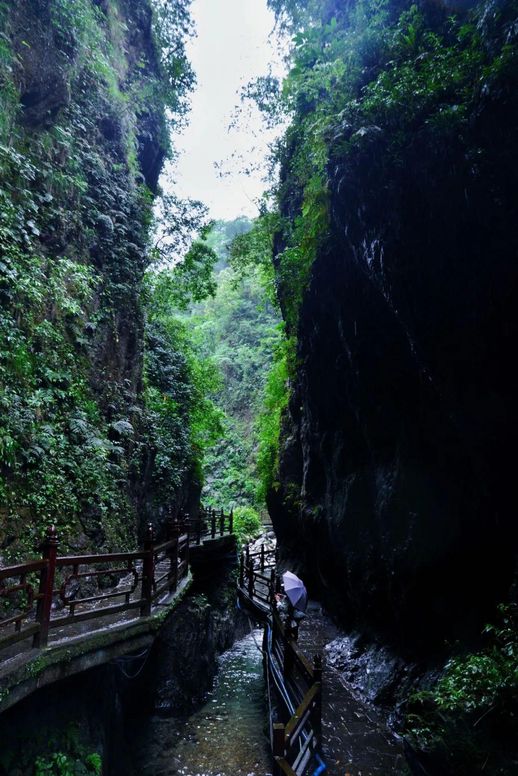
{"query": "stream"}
[(226, 736)]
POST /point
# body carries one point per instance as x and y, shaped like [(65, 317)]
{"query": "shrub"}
[(247, 524)]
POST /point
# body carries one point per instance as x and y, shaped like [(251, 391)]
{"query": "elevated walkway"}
[(68, 614), (294, 684)]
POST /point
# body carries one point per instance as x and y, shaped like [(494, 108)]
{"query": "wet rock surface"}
[(397, 449), (356, 738)]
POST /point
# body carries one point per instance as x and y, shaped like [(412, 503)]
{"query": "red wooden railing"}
[(57, 592), (210, 524), (294, 684)]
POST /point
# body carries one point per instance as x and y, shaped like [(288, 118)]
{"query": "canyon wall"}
[(83, 135), (396, 474)]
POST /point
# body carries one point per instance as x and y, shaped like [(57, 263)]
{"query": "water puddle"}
[(226, 736)]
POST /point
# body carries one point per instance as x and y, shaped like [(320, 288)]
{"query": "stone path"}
[(355, 739)]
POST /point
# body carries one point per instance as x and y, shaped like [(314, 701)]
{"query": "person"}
[(297, 613), (281, 603), (292, 615)]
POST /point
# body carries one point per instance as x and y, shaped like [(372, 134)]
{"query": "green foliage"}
[(75, 221), (237, 330), (251, 252), (473, 683), (269, 422), (476, 695), (60, 764), (247, 524), (172, 25), (191, 280), (181, 420)]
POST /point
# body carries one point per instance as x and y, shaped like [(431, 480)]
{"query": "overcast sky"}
[(233, 46)]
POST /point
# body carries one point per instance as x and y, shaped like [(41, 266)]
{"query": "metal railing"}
[(296, 735)]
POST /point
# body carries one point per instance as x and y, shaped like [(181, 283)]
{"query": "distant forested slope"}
[(239, 330)]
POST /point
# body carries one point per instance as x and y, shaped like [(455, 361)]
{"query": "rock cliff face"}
[(82, 139), (397, 455)]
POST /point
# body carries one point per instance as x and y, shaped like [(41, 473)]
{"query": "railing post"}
[(288, 655), (262, 558), (273, 601), (222, 523), (148, 572), (241, 570), (317, 717), (187, 521), (231, 521), (213, 523), (279, 740), (46, 589), (250, 570), (175, 535)]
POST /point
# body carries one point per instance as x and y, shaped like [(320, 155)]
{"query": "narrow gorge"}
[(258, 269)]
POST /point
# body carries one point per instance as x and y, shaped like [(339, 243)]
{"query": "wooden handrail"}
[(296, 741), (297, 721), (298, 655), (153, 571), (107, 557), (22, 568)]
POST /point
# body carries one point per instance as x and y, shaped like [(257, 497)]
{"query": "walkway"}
[(65, 614), (355, 739)]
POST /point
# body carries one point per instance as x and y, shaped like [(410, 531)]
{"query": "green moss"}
[(75, 221)]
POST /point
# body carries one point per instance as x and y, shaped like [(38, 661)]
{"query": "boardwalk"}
[(353, 739), (64, 614)]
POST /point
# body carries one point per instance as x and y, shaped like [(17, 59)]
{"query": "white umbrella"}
[(295, 589)]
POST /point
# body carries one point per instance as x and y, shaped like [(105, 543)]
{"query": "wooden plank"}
[(285, 766), (94, 614), (25, 633), (293, 728)]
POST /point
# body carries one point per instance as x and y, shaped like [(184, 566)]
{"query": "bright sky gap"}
[(234, 44)]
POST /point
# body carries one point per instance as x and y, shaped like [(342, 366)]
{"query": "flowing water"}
[(226, 736)]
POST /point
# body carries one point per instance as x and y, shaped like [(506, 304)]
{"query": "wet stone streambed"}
[(355, 738), (227, 735)]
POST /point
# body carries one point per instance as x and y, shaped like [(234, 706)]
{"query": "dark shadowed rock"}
[(397, 460)]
